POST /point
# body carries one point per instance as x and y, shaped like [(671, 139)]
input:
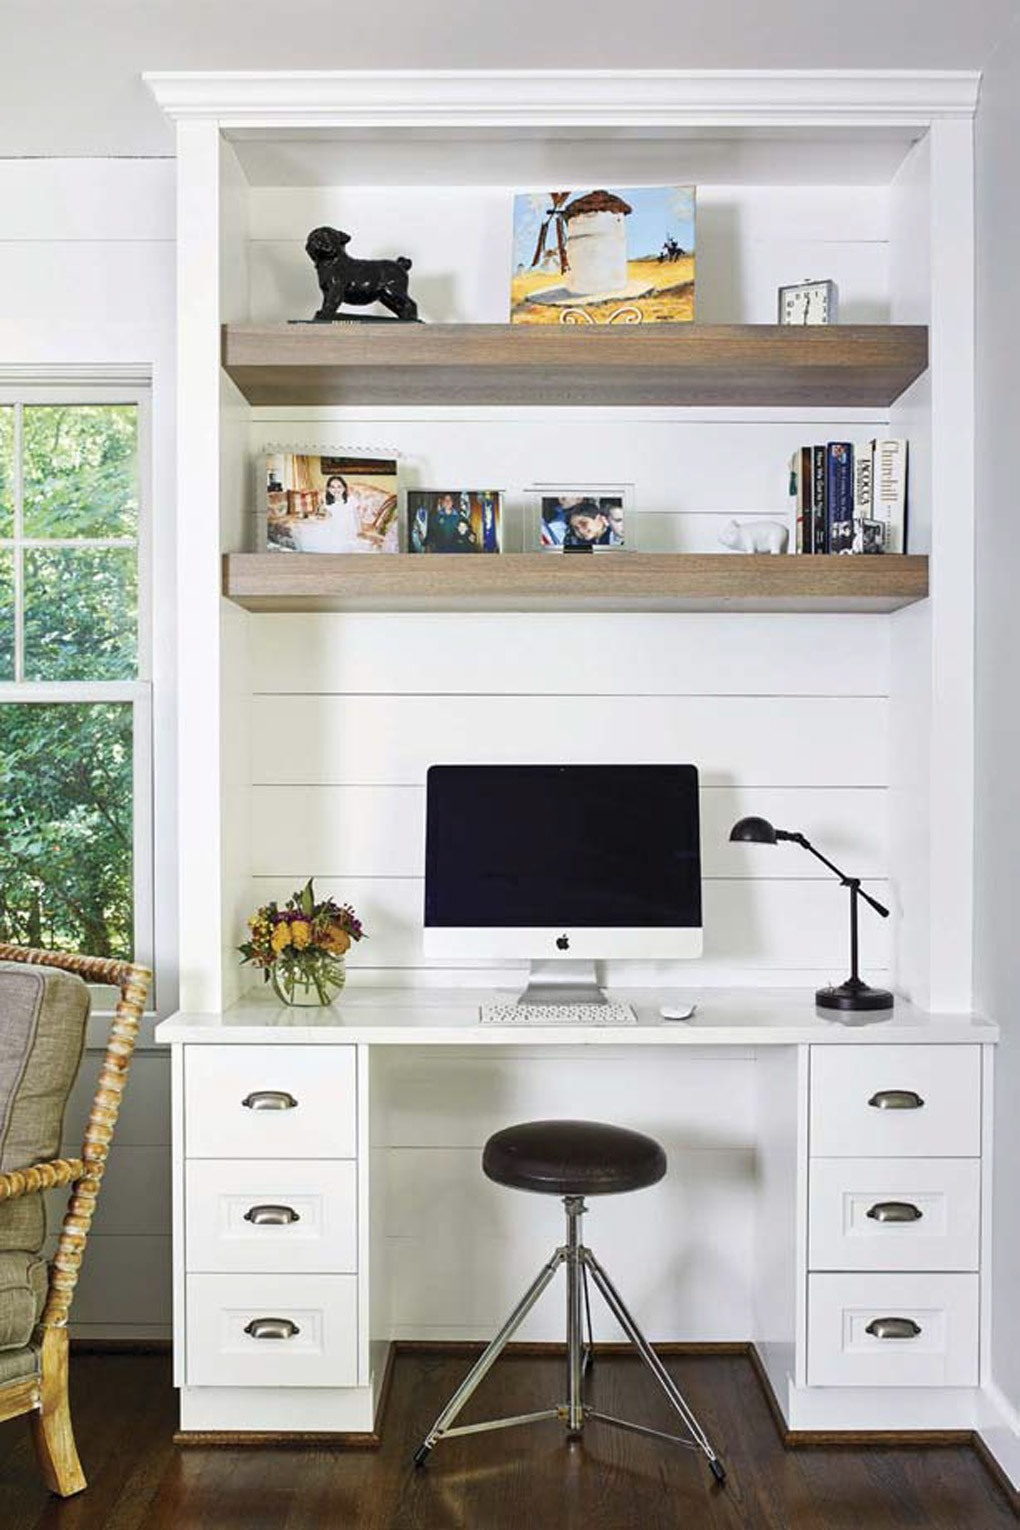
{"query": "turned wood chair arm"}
[(86, 1175), (41, 1176)]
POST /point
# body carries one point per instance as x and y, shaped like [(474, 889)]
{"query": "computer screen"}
[(520, 858)]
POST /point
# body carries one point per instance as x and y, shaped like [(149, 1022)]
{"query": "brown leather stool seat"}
[(573, 1158)]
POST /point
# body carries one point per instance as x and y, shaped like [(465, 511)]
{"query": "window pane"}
[(80, 614), (6, 470), (80, 464), (66, 827), (6, 615)]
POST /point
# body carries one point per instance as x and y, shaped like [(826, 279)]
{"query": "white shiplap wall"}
[(785, 718), (87, 282)]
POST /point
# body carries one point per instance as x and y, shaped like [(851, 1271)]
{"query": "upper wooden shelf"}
[(550, 581), (867, 365)]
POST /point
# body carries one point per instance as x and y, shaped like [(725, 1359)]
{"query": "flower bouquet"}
[(302, 946)]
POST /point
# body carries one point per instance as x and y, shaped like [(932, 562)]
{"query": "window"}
[(75, 692)]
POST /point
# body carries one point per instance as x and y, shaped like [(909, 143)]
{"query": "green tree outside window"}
[(69, 512)]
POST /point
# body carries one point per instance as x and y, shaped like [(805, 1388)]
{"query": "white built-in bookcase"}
[(305, 736)]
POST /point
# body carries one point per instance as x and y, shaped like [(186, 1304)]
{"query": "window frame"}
[(138, 693)]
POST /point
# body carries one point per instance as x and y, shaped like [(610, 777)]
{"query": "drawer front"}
[(298, 1215), (272, 1330), (937, 1090), (894, 1213), (892, 1330), (269, 1102)]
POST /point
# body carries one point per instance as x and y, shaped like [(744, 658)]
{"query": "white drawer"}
[(848, 1085), (225, 1085), (299, 1215), (943, 1352), (894, 1213), (318, 1314)]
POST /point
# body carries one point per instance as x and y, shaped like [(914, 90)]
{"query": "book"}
[(890, 492), (801, 471), (807, 494), (839, 486), (819, 502), (863, 540)]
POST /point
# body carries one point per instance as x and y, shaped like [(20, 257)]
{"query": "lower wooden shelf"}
[(563, 582)]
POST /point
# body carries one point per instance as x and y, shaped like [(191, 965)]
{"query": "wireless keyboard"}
[(557, 1014)]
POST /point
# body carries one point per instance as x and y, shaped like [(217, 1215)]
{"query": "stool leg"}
[(575, 1315), (488, 1358), (589, 1353), (655, 1365)]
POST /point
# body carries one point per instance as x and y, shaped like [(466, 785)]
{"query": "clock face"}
[(805, 304)]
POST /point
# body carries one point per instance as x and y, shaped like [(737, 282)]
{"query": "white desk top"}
[(449, 1017)]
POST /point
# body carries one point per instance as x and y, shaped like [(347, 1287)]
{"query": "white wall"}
[(72, 68), (997, 849), (86, 282)]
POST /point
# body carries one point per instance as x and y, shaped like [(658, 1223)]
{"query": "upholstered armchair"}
[(44, 1009)]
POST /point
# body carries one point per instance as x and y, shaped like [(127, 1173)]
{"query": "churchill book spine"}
[(890, 492)]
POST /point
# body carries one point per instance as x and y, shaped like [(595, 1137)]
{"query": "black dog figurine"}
[(343, 279)]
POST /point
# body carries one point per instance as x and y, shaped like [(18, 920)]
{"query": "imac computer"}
[(563, 865)]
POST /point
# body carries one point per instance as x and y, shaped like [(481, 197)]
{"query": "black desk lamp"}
[(853, 994)]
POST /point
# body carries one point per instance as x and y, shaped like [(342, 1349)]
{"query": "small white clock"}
[(809, 303)]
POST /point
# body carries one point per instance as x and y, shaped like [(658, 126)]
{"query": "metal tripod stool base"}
[(575, 1412)]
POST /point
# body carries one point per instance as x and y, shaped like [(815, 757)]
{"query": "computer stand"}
[(570, 982)]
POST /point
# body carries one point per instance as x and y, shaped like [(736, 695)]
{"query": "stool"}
[(573, 1159)]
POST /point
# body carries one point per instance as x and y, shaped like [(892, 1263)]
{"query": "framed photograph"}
[(582, 520), (331, 503), (620, 256), (454, 521)]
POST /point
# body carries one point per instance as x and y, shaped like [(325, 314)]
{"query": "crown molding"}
[(523, 98)]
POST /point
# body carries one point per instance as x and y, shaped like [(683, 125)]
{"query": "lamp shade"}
[(753, 831)]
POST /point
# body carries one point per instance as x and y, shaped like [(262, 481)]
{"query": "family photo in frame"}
[(454, 521)]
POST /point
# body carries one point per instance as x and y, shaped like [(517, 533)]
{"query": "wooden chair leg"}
[(52, 1433)]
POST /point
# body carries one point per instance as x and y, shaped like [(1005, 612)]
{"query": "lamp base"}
[(854, 995)]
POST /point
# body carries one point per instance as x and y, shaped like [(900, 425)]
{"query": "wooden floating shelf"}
[(563, 582), (866, 365)]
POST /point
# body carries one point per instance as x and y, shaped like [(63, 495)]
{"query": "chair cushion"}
[(43, 1014), (18, 1364), (24, 1280), (573, 1158)]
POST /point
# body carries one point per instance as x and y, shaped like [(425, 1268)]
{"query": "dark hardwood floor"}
[(520, 1479)]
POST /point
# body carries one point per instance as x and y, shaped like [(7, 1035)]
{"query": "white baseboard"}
[(999, 1431)]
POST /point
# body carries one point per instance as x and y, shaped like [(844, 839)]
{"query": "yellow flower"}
[(301, 933), (281, 938), (336, 939)]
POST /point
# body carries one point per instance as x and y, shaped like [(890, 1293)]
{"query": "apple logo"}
[(563, 943)]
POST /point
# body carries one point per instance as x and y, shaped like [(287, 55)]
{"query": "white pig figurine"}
[(755, 536)]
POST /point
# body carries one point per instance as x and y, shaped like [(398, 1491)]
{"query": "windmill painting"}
[(620, 256)]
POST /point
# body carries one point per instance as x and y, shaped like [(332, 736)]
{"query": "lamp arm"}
[(805, 844)]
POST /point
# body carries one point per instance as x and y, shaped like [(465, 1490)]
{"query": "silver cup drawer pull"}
[(272, 1328), (893, 1328), (896, 1099), (895, 1211), (279, 1216), (269, 1099)]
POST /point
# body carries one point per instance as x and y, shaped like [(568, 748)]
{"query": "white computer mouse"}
[(677, 1011)]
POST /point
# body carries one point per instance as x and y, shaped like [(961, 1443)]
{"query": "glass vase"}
[(313, 984)]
